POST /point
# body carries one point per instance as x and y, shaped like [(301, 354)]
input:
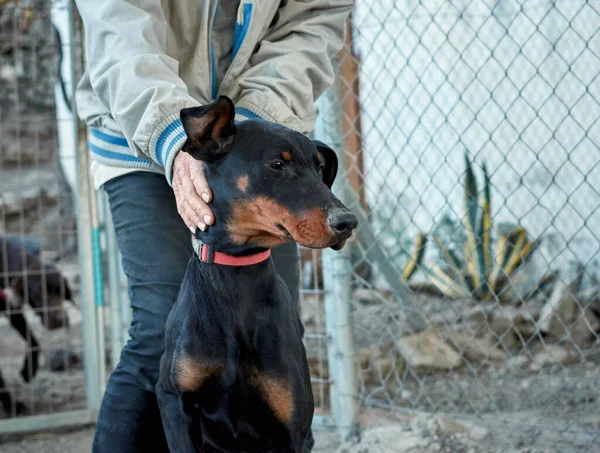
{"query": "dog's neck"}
[(217, 238), (209, 255)]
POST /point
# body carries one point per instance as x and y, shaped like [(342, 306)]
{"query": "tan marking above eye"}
[(191, 373), (277, 393), (286, 156), (242, 183)]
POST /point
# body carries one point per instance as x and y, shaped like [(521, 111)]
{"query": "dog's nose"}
[(342, 222)]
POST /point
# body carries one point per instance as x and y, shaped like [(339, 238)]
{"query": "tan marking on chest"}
[(277, 393), (242, 183), (190, 374)]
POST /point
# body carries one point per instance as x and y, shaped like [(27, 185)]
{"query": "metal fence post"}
[(337, 282), (84, 233)]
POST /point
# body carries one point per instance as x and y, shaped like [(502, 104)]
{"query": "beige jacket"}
[(148, 59)]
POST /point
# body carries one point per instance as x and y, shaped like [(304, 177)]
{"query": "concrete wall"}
[(513, 83)]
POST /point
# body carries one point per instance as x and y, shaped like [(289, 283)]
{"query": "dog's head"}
[(45, 289), (271, 185)]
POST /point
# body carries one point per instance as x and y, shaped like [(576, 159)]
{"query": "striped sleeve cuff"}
[(166, 142), (111, 148)]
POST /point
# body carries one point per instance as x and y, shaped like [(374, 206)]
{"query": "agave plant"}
[(485, 269), (416, 257)]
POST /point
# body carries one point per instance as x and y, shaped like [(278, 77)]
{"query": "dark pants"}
[(156, 246)]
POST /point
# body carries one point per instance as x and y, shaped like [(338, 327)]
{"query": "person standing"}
[(147, 60)]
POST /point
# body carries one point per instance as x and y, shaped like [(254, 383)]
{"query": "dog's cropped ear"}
[(209, 129), (17, 284), (331, 162)]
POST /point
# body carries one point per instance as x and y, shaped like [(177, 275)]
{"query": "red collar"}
[(208, 255), (2, 294)]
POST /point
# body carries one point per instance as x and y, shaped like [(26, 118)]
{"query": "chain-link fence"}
[(44, 381), (471, 137), (465, 314)]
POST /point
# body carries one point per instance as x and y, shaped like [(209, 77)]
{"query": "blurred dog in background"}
[(25, 279)]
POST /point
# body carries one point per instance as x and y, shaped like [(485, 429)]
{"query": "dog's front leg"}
[(181, 435), (30, 364), (7, 402)]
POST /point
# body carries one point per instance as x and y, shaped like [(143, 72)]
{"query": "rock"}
[(556, 355), (590, 298), (365, 355), (564, 318), (516, 362), (387, 372), (371, 296), (475, 349), (476, 315), (379, 367), (511, 320), (446, 426), (388, 439), (425, 351)]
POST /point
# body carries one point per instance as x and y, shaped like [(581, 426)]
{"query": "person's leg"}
[(155, 246)]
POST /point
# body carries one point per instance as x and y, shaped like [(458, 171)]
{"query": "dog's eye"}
[(276, 165)]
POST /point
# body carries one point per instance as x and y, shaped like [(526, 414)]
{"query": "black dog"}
[(234, 376), (24, 278)]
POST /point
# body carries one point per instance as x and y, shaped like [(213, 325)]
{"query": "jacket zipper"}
[(213, 69), (242, 25)]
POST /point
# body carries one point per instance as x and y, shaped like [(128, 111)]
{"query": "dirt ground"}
[(80, 441), (511, 406), (53, 392)]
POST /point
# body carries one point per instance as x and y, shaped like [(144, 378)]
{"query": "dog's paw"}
[(16, 409), (30, 366), (20, 409)]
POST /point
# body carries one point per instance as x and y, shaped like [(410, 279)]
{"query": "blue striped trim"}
[(242, 30), (160, 144), (113, 140), (248, 113), (117, 156), (172, 145)]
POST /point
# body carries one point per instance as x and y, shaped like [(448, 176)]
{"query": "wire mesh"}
[(40, 337), (471, 136)]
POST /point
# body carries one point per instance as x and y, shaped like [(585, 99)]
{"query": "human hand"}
[(192, 192)]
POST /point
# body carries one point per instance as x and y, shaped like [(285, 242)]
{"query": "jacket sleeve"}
[(293, 65), (133, 77)]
